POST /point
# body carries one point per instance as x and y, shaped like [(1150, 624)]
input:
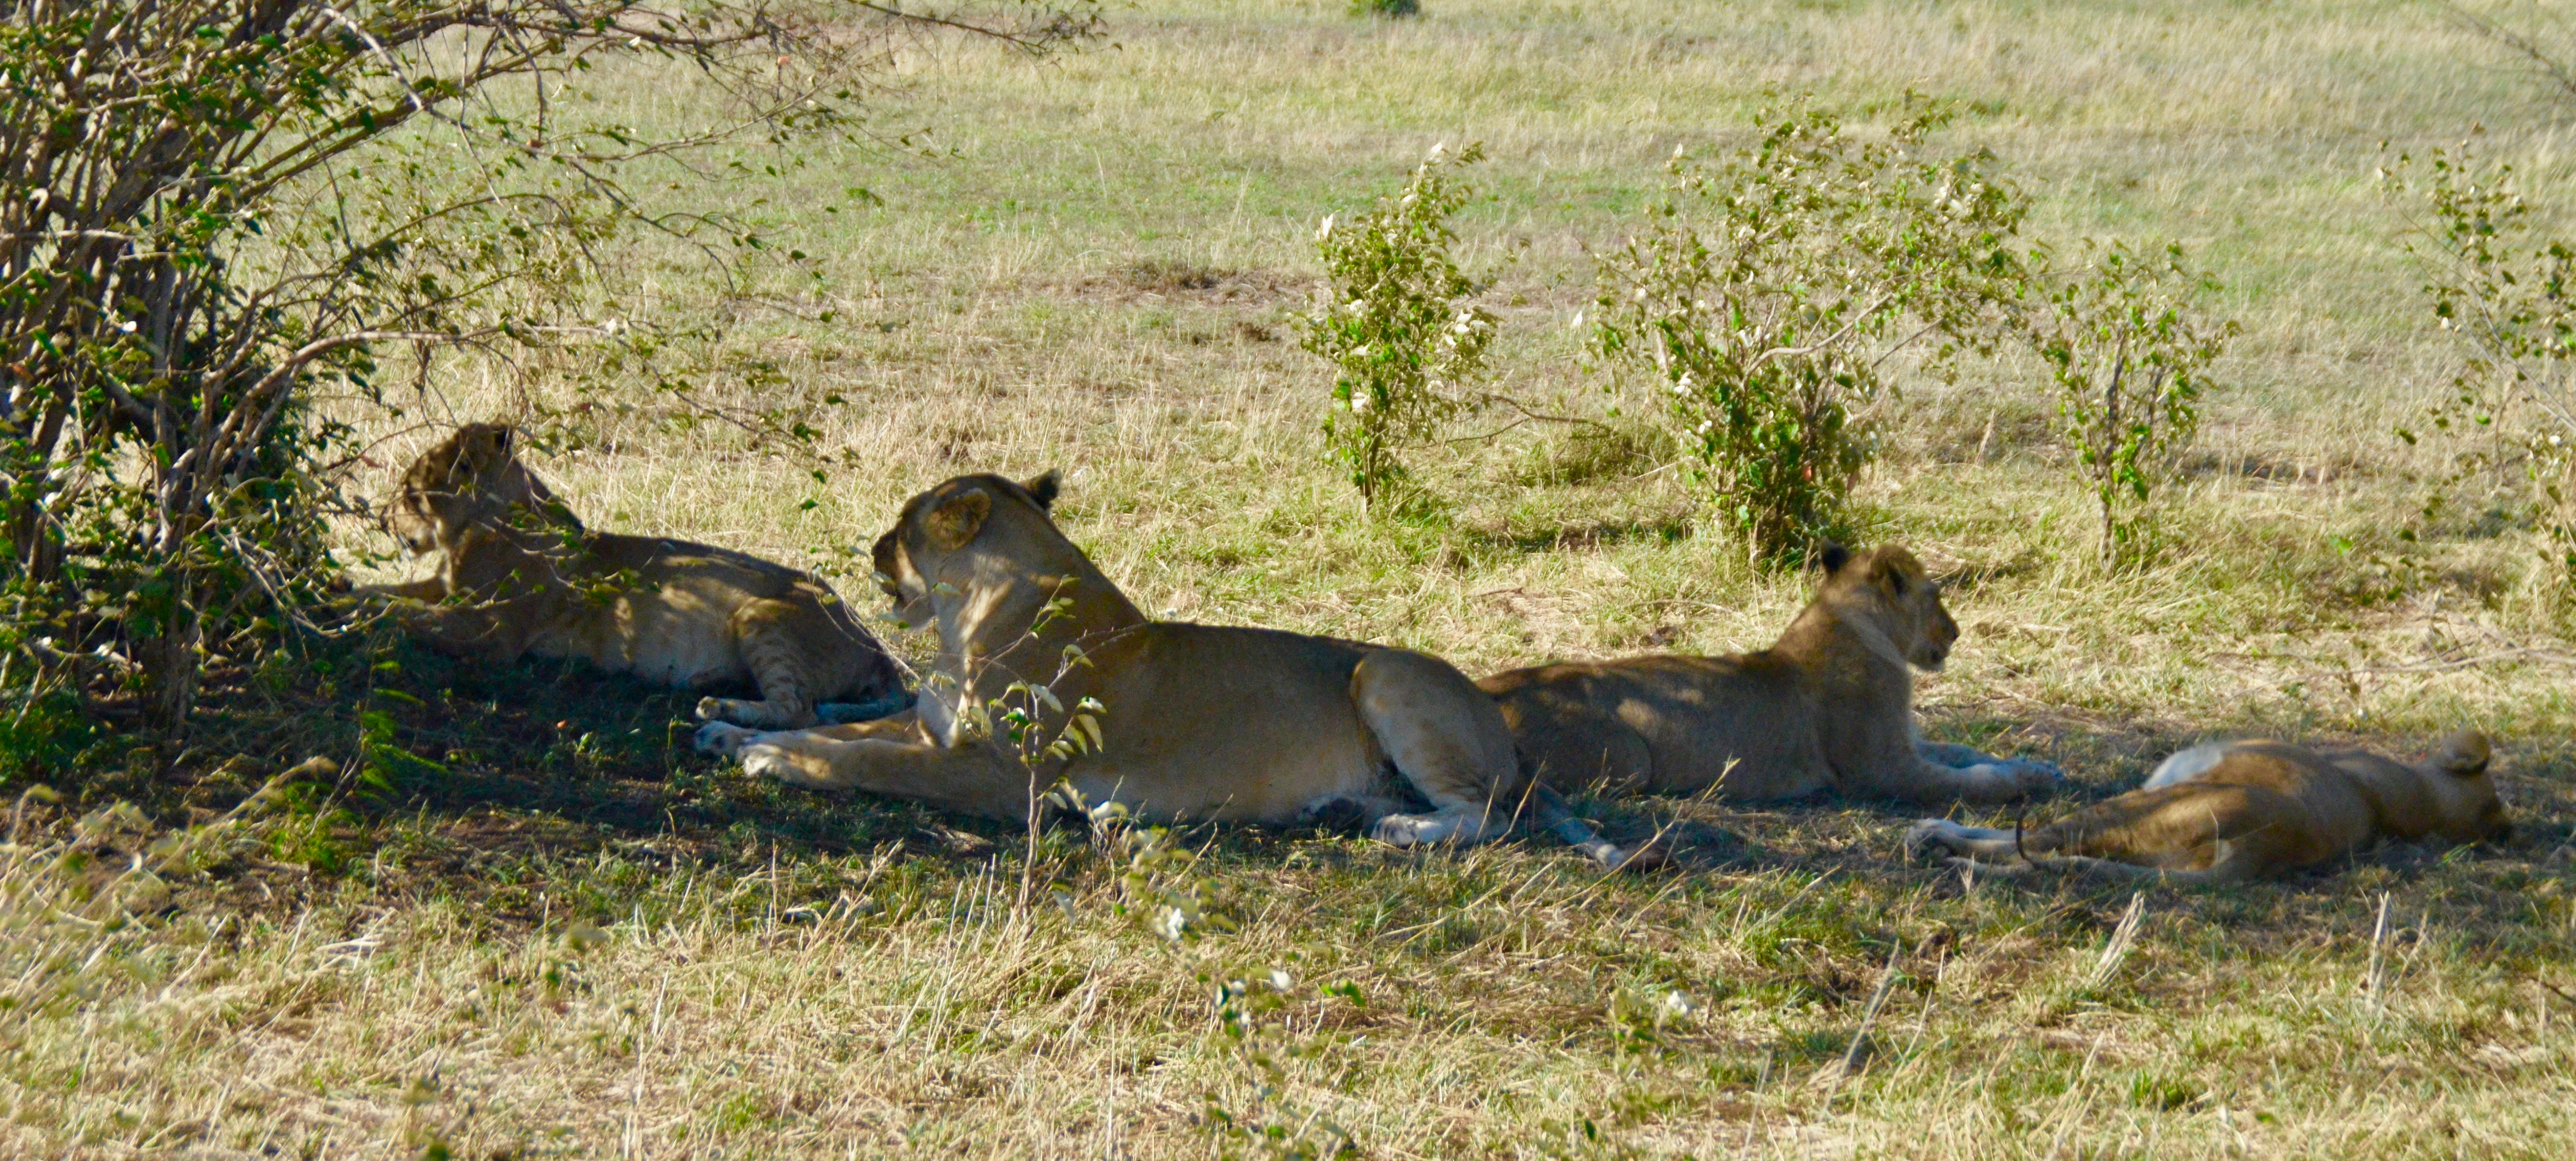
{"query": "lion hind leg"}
[(1447, 738), (849, 712), (2185, 765), (2232, 866), (772, 648), (1991, 851)]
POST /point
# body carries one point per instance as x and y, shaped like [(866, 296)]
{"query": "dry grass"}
[(621, 950)]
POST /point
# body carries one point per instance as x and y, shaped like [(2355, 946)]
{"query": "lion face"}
[(472, 477), (941, 521), (901, 582), (1889, 588)]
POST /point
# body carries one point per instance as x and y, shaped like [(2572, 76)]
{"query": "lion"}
[(519, 574), (2225, 812), (1827, 706), (1204, 722)]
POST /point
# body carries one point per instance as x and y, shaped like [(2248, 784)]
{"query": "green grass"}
[(572, 937)]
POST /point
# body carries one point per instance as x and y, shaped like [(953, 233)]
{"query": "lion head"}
[(2464, 785), (472, 478), (1887, 590), (943, 520)]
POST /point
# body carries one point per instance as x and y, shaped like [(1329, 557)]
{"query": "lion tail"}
[(1549, 809)]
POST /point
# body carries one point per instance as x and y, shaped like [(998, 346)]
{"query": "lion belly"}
[(1229, 724), (671, 636), (1663, 725)]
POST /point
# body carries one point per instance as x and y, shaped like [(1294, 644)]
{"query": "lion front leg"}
[(866, 756), (1935, 773), (727, 739), (2030, 775), (495, 633)]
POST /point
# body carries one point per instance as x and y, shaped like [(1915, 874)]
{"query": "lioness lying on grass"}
[(2229, 811), (1201, 722), (518, 574), (1828, 706)]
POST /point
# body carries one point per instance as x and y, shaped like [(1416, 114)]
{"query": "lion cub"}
[(2229, 811), (519, 574), (1830, 705)]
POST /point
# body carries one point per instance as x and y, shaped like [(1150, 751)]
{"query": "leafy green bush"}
[(1765, 293), (1389, 9), (2510, 298), (2129, 358), (1401, 332)]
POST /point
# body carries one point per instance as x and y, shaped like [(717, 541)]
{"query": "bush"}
[(2510, 299), (1765, 293), (1402, 336), (1389, 9), (2128, 358)]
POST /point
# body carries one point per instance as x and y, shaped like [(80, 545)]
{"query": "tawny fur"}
[(1201, 722), (518, 574), (1827, 707), (2248, 810)]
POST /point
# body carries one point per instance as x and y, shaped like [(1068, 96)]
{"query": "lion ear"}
[(1832, 557), (1891, 574), (957, 519), (2466, 754), (1043, 489)]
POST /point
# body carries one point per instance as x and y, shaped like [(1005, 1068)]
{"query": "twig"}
[(1868, 1018), (1488, 399), (2377, 977)]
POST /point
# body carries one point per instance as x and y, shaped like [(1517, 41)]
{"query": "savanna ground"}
[(557, 932)]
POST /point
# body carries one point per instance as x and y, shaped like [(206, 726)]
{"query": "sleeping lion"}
[(2223, 812)]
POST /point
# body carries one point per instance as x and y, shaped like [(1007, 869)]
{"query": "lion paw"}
[(722, 738), (1926, 835), (764, 761), (2022, 776), (2036, 774), (1407, 830)]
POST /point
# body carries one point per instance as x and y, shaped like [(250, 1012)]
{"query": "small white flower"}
[(1281, 981)]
